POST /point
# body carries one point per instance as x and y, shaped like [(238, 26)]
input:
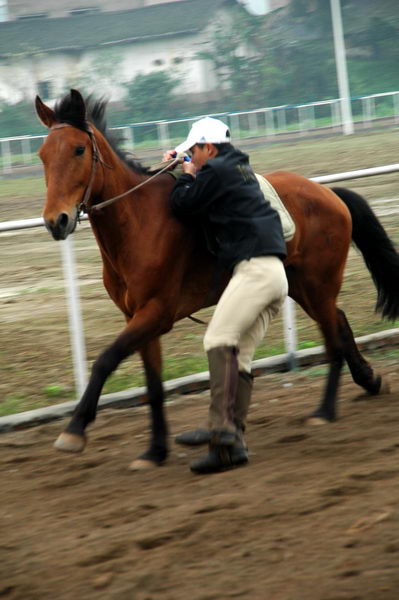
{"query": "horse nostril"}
[(62, 221)]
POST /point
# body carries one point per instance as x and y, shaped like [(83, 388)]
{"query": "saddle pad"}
[(270, 194)]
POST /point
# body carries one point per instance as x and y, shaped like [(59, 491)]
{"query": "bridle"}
[(96, 158)]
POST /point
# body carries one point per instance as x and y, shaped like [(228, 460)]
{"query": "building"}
[(25, 9), (100, 50)]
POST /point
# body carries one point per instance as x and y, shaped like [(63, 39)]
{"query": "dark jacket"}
[(226, 199)]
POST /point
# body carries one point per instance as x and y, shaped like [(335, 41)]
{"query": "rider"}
[(219, 188)]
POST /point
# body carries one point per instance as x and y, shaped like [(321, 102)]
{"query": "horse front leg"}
[(158, 448), (147, 323)]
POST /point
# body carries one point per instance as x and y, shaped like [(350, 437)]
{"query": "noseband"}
[(83, 206)]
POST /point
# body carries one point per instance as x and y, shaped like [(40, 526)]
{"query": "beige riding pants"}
[(252, 298)]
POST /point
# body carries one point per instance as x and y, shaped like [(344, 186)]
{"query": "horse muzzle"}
[(62, 226)]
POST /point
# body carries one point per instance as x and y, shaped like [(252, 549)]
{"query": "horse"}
[(158, 270)]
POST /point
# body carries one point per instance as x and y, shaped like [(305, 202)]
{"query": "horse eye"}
[(79, 150)]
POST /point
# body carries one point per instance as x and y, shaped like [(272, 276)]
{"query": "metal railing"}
[(72, 285), (269, 122)]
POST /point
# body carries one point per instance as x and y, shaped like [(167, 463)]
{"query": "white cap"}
[(205, 131)]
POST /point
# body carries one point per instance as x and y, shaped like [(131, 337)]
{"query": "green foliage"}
[(288, 56), (19, 119), (151, 96)]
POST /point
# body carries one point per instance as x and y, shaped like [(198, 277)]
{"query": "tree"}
[(151, 96), (239, 52)]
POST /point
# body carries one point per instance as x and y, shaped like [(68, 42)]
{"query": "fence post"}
[(290, 331), (269, 121), (74, 315), (163, 133), (130, 136), (396, 106), (253, 123), (281, 120), (26, 151), (235, 126), (6, 153)]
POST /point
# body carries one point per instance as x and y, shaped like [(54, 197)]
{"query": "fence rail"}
[(72, 285), (267, 122)]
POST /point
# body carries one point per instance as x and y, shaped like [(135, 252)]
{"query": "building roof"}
[(102, 29)]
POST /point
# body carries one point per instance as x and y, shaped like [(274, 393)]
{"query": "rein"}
[(170, 164)]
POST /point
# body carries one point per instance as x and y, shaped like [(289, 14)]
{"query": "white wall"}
[(104, 71)]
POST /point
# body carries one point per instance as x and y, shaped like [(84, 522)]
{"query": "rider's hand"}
[(169, 154), (189, 168)]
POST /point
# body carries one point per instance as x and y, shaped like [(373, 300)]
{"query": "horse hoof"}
[(316, 421), (141, 464), (70, 442), (385, 387)]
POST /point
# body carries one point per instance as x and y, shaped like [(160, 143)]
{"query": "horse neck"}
[(110, 224), (114, 176)]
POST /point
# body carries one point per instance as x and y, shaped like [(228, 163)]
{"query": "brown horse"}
[(158, 271)]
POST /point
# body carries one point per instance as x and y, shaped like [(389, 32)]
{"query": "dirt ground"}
[(314, 516)]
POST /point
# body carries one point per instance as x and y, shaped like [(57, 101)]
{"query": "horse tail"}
[(379, 253)]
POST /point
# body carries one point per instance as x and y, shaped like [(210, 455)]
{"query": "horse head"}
[(69, 156)]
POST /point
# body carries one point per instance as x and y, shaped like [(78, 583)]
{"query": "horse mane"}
[(95, 113)]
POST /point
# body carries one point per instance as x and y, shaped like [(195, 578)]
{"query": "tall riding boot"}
[(202, 435), (226, 449), (243, 399), (223, 375)]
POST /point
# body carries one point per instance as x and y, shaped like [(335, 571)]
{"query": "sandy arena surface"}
[(314, 516)]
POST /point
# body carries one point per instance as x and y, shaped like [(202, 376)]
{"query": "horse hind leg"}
[(320, 305), (361, 370)]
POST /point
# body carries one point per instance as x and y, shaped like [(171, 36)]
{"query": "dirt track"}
[(314, 516)]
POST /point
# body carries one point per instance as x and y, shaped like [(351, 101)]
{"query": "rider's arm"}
[(192, 196)]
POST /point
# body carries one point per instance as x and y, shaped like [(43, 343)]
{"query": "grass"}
[(29, 187)]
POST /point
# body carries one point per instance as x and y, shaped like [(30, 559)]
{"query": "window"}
[(158, 62), (177, 60), (33, 16), (83, 11)]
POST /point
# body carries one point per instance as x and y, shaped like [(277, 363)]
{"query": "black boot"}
[(221, 458)]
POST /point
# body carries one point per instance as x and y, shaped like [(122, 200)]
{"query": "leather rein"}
[(97, 158)]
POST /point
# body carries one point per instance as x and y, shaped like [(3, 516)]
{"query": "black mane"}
[(65, 112)]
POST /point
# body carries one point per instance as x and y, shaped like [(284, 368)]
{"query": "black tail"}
[(378, 251)]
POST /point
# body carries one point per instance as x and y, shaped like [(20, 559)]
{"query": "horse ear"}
[(44, 112), (78, 105)]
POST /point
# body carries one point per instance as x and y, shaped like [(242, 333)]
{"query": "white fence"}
[(263, 122), (72, 287)]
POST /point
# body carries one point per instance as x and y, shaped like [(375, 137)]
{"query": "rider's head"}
[(207, 136)]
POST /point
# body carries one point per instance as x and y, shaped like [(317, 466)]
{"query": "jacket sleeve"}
[(192, 196)]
